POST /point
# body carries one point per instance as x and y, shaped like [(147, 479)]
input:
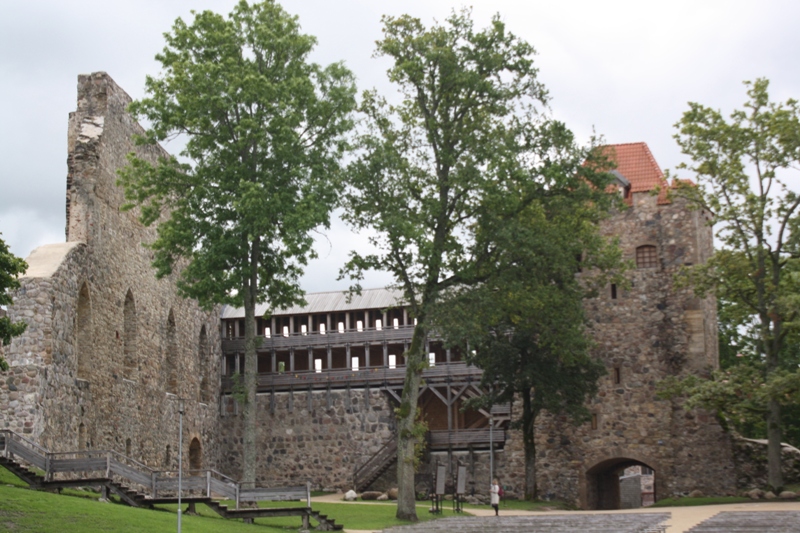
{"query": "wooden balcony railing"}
[(343, 377), (318, 340), (466, 438)]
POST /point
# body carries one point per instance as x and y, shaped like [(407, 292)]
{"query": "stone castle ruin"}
[(109, 348)]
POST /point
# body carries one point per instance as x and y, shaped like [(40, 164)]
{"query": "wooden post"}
[(208, 483), (349, 361), (330, 357), (153, 489), (108, 464), (385, 354), (48, 473), (308, 494), (291, 359), (237, 496)]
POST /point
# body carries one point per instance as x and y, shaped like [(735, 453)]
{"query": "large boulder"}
[(787, 495), (755, 494), (392, 493), (371, 495)]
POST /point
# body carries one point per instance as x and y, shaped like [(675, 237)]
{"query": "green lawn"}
[(77, 511)]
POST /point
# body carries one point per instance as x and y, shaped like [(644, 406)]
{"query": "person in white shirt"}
[(495, 492)]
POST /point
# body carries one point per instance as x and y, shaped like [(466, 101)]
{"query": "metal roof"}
[(328, 302)]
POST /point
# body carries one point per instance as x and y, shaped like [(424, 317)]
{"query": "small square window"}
[(646, 257)]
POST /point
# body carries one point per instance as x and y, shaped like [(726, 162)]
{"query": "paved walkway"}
[(681, 520)]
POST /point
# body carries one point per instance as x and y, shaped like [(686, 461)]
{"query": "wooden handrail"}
[(95, 460), (458, 370), (376, 462)]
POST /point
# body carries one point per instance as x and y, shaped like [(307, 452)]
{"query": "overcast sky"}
[(623, 69)]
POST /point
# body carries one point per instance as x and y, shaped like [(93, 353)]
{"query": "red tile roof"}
[(637, 164)]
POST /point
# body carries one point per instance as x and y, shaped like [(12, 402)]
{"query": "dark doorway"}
[(620, 483)]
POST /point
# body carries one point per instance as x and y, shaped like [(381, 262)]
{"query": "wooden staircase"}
[(375, 466), (325, 523), (121, 474)]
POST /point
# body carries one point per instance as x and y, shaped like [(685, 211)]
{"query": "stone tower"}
[(645, 332)]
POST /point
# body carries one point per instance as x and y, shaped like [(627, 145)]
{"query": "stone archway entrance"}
[(195, 455), (616, 484)]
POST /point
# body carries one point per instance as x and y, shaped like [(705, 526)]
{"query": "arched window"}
[(171, 357), (195, 455), (646, 257), (130, 355), (83, 332), (203, 364)]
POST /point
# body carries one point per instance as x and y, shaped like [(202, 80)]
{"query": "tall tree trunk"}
[(774, 474), (406, 419), (773, 345), (529, 443), (250, 374)]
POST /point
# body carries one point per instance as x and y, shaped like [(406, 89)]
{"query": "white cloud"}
[(626, 68)]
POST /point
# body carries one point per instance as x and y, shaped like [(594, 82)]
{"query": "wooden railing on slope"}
[(59, 467)]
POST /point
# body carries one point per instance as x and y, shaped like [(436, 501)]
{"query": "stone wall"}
[(650, 330), (322, 443), (109, 347), (750, 456), (106, 340)]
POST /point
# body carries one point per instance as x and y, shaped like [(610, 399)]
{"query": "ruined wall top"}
[(101, 133)]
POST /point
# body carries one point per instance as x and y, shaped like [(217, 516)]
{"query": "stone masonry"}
[(109, 348), (106, 340)]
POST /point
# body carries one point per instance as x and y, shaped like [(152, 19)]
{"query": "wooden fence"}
[(113, 466)]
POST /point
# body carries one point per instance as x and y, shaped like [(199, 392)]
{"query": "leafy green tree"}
[(10, 269), (467, 138), (524, 326), (265, 134), (743, 166)]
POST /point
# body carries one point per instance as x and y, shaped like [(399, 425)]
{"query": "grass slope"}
[(75, 511)]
